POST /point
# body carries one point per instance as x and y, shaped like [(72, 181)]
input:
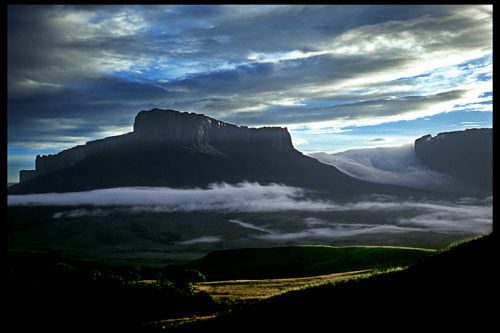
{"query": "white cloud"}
[(203, 239), (276, 57), (340, 230), (458, 218), (466, 215), (112, 130), (82, 212), (248, 197), (85, 25), (387, 165), (60, 143), (249, 225), (297, 141)]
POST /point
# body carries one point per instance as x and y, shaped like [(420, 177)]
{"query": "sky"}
[(338, 77)]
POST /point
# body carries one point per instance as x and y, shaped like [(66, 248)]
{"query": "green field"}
[(304, 284), (302, 261), (450, 290), (169, 292)]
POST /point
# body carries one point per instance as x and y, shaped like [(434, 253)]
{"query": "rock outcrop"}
[(168, 126)]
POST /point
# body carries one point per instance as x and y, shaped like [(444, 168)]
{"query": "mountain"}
[(466, 155), (184, 150), (459, 162), (388, 165)]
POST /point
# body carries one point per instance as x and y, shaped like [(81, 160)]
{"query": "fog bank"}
[(387, 165), (245, 196)]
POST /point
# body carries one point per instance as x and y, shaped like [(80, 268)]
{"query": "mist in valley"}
[(157, 225)]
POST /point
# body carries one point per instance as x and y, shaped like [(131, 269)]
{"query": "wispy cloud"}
[(249, 225), (457, 217), (82, 212), (203, 239), (246, 197), (340, 230), (387, 165), (465, 215), (469, 215)]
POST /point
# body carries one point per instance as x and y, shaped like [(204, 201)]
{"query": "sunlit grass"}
[(265, 288), (351, 277)]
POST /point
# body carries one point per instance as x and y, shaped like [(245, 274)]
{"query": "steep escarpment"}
[(184, 150), (465, 155), (167, 127), (198, 130), (67, 158)]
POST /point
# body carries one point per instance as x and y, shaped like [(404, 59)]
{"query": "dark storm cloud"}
[(245, 64)]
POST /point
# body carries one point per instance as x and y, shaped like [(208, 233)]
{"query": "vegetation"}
[(450, 290), (299, 261), (248, 290), (48, 291)]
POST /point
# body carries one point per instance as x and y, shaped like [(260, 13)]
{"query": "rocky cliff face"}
[(466, 155), (186, 150), (66, 158), (196, 129), (168, 126)]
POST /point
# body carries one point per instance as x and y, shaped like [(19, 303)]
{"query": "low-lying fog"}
[(245, 215), (387, 165)]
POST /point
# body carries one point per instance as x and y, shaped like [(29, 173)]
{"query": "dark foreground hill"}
[(175, 149), (454, 289)]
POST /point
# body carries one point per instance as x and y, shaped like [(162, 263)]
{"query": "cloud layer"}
[(246, 197), (90, 69), (466, 215), (387, 165)]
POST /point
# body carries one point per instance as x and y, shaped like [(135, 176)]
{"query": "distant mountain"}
[(184, 150), (459, 162), (388, 165), (465, 155)]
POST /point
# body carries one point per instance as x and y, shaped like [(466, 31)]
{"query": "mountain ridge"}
[(176, 149), (185, 150), (459, 162), (157, 125), (465, 155)]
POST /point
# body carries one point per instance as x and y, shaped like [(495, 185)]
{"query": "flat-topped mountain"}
[(199, 130), (458, 163), (183, 150), (465, 155), (168, 127)]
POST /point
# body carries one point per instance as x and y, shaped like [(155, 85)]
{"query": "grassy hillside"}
[(298, 261), (453, 289)]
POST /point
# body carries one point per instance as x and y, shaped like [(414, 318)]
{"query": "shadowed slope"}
[(449, 290)]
